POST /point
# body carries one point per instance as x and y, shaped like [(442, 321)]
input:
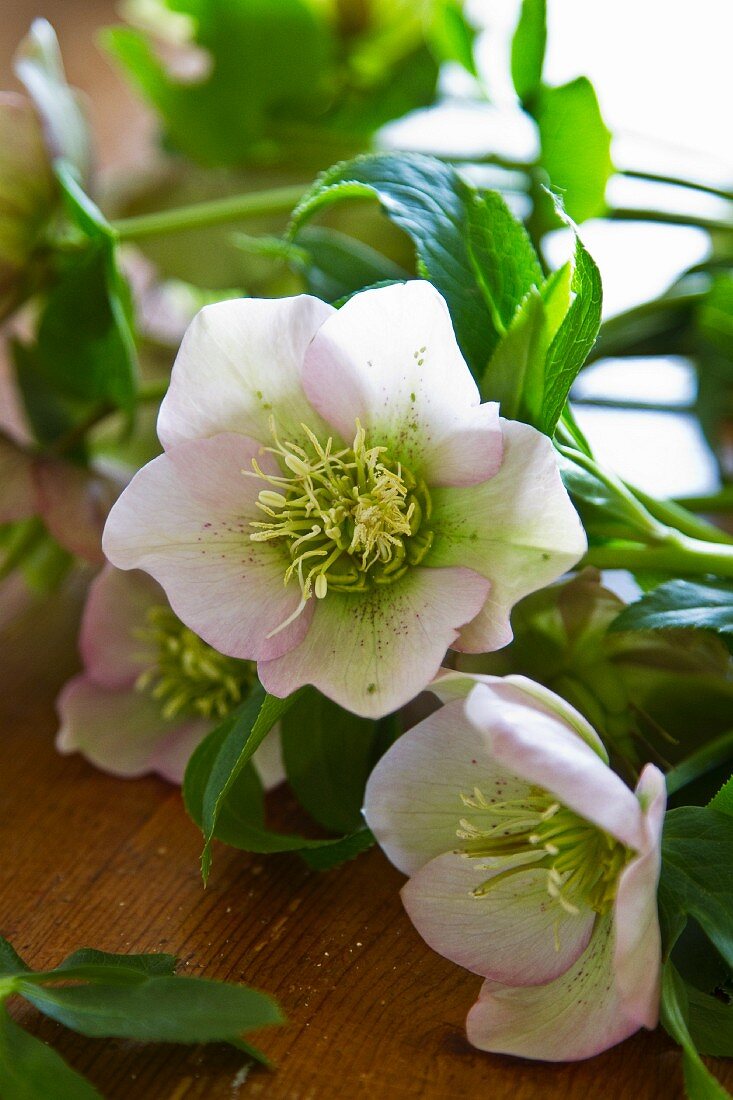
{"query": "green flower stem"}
[(669, 217), (715, 502), (676, 181), (154, 390), (701, 762), (675, 515), (676, 554), (620, 335), (278, 200)]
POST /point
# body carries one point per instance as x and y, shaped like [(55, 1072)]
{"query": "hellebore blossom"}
[(151, 689), (335, 503), (532, 864)]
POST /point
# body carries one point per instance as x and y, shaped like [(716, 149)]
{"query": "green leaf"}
[(699, 1082), (31, 1070), (576, 333), (10, 961), (504, 261), (154, 964), (528, 49), (166, 1009), (702, 605), (723, 800), (329, 754), (325, 856), (697, 876), (451, 36), (430, 202), (711, 1023), (575, 146)]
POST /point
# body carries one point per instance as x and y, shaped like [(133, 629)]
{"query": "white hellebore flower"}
[(532, 864), (335, 503)]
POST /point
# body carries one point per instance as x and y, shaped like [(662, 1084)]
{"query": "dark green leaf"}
[(528, 49), (31, 1070), (697, 876), (575, 146), (83, 210), (723, 800), (156, 1009), (504, 260), (430, 202), (155, 964), (329, 754), (328, 855), (699, 1082), (10, 960), (710, 1022), (703, 605)]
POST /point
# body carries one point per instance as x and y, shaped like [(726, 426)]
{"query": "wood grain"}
[(92, 860)]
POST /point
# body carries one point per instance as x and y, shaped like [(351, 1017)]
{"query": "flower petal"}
[(389, 358), (512, 934), (18, 499), (122, 731), (372, 652), (185, 518), (238, 366), (543, 750), (638, 956), (113, 616), (519, 529), (413, 802), (577, 1015)]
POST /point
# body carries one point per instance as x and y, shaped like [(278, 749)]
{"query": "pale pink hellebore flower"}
[(150, 690), (335, 503), (531, 863)]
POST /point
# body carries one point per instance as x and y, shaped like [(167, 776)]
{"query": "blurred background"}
[(661, 73)]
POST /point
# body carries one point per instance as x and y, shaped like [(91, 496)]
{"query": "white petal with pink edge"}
[(519, 529), (185, 519), (389, 359), (115, 613), (577, 1015), (372, 652), (514, 933), (239, 366)]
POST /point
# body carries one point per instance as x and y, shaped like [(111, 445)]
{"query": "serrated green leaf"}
[(702, 605), (575, 335), (329, 754), (528, 49), (710, 1022), (165, 1009), (699, 1082), (430, 202), (324, 857), (503, 257), (32, 1070), (153, 964), (575, 146)]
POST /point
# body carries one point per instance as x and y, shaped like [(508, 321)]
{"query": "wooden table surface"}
[(90, 860)]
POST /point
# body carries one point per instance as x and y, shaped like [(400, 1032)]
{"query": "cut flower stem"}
[(278, 200)]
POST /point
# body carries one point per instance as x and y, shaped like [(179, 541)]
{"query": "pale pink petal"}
[(185, 519), (123, 732), (389, 359), (638, 956), (18, 498), (74, 503), (577, 1015), (240, 365), (542, 750), (518, 529), (413, 802), (113, 653), (373, 652), (514, 934), (449, 685)]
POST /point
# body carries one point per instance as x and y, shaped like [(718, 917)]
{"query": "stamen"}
[(346, 518)]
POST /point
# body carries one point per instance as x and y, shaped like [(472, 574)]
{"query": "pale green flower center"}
[(347, 518), (188, 677), (583, 863)]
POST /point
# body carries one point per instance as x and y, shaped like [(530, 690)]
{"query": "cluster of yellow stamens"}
[(348, 518), (188, 677), (583, 863)]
